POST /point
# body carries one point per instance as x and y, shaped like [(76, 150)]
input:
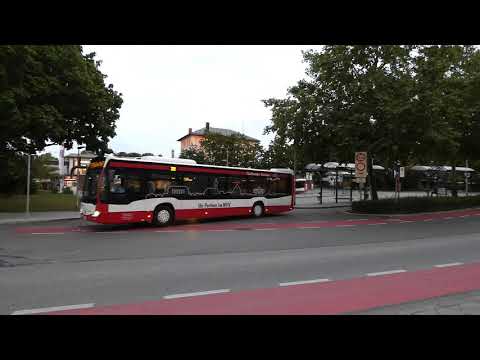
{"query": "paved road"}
[(67, 262)]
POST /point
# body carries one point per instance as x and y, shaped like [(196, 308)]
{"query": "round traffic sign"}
[(360, 157), (360, 166)]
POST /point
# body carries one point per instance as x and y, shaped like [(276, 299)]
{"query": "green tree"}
[(406, 103), (54, 95), (194, 152), (51, 95), (233, 150), (448, 84), (302, 135), (42, 166)]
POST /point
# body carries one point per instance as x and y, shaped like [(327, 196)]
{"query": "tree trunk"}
[(371, 178)]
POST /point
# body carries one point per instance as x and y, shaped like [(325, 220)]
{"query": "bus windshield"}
[(300, 183), (90, 186)]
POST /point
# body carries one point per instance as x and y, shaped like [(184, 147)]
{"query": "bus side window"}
[(159, 182)]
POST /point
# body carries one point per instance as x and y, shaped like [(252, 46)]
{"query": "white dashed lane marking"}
[(303, 282), (387, 272), (51, 309), (221, 230), (450, 264), (198, 293), (48, 233)]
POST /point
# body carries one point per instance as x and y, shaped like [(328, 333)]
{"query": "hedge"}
[(414, 204)]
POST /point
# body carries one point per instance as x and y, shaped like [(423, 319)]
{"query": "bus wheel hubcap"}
[(257, 210), (163, 216)]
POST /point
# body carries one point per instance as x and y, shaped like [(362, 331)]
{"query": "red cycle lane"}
[(253, 225), (336, 297)]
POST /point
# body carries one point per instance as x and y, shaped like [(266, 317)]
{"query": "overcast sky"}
[(167, 89)]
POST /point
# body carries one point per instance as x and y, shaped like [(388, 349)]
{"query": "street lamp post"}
[(27, 210), (78, 175)]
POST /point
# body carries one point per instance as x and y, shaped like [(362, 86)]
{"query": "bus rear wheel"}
[(258, 210), (163, 216)]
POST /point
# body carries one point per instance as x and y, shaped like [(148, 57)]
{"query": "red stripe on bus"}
[(125, 217), (130, 165), (194, 169)]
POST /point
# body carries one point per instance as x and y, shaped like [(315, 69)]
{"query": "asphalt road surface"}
[(71, 263)]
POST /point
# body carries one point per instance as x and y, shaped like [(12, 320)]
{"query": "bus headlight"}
[(96, 213)]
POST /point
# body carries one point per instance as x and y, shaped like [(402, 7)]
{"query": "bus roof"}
[(189, 162)]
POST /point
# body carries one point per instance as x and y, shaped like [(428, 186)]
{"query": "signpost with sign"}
[(361, 168), (361, 165)]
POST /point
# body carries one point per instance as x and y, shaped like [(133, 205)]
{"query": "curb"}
[(20, 221), (406, 214), (322, 207)]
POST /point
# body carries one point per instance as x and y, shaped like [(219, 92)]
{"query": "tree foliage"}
[(400, 103), (232, 150), (194, 152), (54, 95)]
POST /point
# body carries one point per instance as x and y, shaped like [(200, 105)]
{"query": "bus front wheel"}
[(163, 216), (258, 210)]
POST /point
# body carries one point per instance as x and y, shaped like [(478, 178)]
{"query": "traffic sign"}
[(467, 174), (361, 165), (402, 172)]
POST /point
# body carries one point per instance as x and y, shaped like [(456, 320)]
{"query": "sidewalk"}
[(15, 218), (458, 304), (310, 199)]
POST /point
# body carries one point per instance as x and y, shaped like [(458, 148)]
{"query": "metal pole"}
[(78, 178), (294, 159), (351, 185), (321, 189), (27, 210), (466, 179), (336, 186)]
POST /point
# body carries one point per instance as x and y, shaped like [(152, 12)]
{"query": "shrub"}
[(67, 190), (414, 204)]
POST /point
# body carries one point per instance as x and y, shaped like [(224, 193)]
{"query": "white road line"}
[(378, 224), (51, 309), (267, 229), (464, 216), (447, 265), (428, 219), (386, 272), (220, 230), (344, 225), (110, 232), (309, 227), (168, 231), (48, 233), (303, 282), (198, 293), (405, 221)]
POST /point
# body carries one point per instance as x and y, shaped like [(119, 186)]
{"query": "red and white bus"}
[(161, 190)]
